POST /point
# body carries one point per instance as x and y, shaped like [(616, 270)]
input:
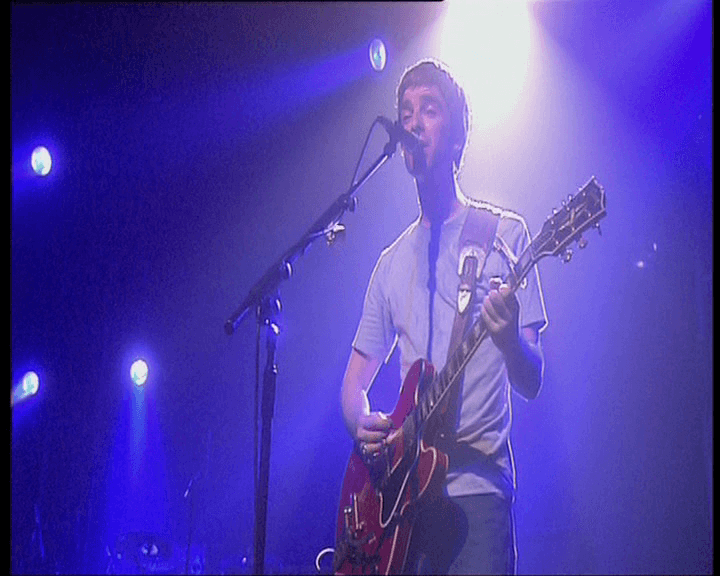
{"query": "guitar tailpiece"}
[(350, 550)]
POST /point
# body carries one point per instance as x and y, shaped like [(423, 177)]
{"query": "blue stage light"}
[(378, 55), (27, 387), (41, 161), (139, 372)]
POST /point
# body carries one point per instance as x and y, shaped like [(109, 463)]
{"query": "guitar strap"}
[(476, 240)]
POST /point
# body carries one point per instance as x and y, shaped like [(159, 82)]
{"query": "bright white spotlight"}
[(41, 161), (487, 43), (139, 372), (30, 383), (378, 55)]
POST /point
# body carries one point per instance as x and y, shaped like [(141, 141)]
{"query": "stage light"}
[(27, 387), (30, 383), (139, 372), (649, 258), (41, 161), (378, 55), (487, 44)]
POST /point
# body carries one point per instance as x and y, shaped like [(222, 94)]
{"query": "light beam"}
[(487, 43)]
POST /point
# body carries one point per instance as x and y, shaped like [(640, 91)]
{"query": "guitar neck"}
[(456, 363), (435, 393), (581, 212)]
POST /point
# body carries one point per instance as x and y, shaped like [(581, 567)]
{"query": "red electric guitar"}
[(379, 495)]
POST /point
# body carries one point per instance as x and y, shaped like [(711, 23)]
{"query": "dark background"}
[(194, 143)]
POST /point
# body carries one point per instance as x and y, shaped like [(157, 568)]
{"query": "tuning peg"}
[(567, 255), (582, 242), (597, 226)]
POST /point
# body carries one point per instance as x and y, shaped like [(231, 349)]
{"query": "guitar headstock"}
[(582, 211)]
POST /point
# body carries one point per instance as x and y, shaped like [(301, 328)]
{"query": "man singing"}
[(412, 301)]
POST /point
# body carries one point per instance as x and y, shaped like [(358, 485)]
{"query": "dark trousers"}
[(464, 535)]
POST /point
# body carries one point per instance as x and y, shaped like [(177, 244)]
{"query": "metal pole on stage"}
[(263, 297)]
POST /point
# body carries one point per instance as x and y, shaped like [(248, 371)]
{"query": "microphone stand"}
[(190, 492), (263, 297)]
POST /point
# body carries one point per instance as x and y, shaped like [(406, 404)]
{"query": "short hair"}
[(430, 72)]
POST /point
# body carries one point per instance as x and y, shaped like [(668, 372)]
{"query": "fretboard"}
[(450, 374)]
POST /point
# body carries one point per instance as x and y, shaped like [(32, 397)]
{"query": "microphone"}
[(399, 134)]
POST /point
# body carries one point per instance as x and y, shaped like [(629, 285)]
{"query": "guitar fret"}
[(439, 387), (456, 360), (468, 346)]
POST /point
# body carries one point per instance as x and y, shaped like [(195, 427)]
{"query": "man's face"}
[(424, 112)]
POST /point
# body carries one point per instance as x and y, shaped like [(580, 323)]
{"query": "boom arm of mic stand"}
[(282, 268), (263, 296)]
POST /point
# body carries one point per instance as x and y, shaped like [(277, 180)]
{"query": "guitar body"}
[(379, 497)]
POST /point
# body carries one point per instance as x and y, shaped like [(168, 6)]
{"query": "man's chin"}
[(417, 167)]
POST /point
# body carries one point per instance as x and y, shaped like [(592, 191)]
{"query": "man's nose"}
[(416, 125)]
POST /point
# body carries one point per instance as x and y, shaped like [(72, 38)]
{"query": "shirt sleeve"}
[(375, 334)]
